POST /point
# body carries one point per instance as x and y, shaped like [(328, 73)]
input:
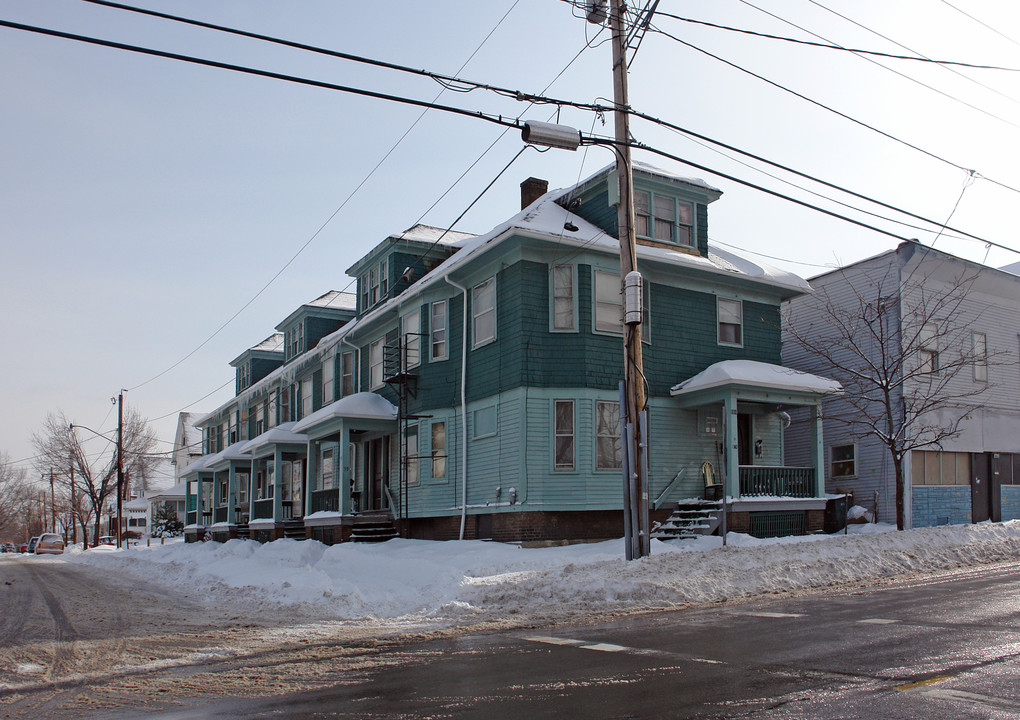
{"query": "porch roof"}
[(235, 452), (761, 378), (282, 434), (361, 406), (202, 464)]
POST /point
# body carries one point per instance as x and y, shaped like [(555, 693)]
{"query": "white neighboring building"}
[(187, 445), (972, 477)]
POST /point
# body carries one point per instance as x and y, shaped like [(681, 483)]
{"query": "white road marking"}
[(985, 701), (772, 614), (877, 621), (607, 647), (611, 647)]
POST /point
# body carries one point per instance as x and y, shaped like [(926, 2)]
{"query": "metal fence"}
[(777, 480)]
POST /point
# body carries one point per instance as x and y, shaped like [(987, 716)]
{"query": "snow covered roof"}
[(335, 299), (138, 504), (755, 374), (203, 463), (280, 435), (177, 491), (430, 234), (273, 343), (363, 405)]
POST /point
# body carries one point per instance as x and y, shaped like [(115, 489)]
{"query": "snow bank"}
[(445, 582)]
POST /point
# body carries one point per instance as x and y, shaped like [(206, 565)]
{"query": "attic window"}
[(662, 218)]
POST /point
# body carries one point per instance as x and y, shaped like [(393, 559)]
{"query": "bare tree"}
[(61, 450), (899, 347), (15, 495)]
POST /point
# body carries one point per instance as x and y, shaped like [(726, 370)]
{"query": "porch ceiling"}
[(756, 382)]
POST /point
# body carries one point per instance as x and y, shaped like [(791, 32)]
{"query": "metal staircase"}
[(690, 519), (398, 360)]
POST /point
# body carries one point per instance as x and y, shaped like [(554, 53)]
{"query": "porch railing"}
[(263, 509), (191, 517), (325, 501), (776, 480), (206, 518), (221, 514)]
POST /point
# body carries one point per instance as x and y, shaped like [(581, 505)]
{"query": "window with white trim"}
[(843, 461), (242, 488), (483, 309), (928, 354), (375, 363), (608, 302), (307, 398), (411, 330), (608, 452), (328, 374), (411, 441), (347, 373), (979, 344), (438, 450), (327, 473), (563, 299), (730, 315), (563, 435), (439, 331), (663, 218)]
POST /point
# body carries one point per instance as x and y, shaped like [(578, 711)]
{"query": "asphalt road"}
[(74, 646)]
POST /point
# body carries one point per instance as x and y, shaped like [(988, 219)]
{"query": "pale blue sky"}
[(143, 201)]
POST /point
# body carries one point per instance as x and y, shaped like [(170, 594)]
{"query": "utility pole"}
[(74, 510), (53, 505), (635, 452), (120, 464)]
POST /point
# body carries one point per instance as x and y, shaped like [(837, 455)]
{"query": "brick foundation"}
[(527, 527)]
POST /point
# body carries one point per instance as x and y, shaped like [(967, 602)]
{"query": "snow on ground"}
[(437, 584)]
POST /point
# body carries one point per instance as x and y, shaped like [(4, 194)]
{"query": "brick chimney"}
[(532, 189)]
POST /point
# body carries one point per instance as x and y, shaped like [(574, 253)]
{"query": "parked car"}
[(31, 544), (49, 544), (107, 540), (7, 547), (23, 548)]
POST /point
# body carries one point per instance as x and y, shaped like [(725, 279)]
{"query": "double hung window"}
[(663, 218), (608, 453), (483, 307), (563, 435), (439, 330), (730, 314), (438, 450), (375, 363), (563, 298)]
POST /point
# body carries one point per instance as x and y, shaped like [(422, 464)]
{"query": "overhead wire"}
[(981, 22), (832, 46), (944, 67), (832, 110)]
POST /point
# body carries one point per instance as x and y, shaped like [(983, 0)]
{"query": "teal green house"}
[(468, 388)]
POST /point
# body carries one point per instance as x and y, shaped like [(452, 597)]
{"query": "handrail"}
[(389, 497), (669, 486)]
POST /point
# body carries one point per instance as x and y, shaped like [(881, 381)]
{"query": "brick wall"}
[(528, 526), (1010, 502), (940, 505)]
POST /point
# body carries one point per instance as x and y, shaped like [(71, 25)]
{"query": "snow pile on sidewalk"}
[(443, 582)]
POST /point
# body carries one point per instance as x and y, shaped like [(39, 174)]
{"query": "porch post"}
[(345, 472), (731, 454), (311, 474), (231, 497), (818, 448), (277, 485)]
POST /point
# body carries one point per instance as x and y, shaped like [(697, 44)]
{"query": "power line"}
[(832, 46), (944, 67), (806, 176), (834, 111), (774, 193), (979, 22)]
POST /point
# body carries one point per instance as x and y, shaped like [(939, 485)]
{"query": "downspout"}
[(463, 407)]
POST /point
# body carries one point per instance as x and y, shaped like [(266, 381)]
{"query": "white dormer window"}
[(663, 218)]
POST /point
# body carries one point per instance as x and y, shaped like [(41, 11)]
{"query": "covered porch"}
[(352, 453), (743, 402), (277, 479), (231, 472), (198, 497)]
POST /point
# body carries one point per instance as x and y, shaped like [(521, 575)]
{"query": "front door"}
[(980, 487), (744, 439), (378, 453), (1002, 471)]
